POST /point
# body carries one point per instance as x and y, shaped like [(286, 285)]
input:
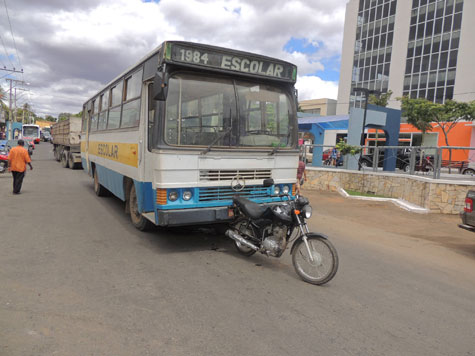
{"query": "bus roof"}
[(215, 58)]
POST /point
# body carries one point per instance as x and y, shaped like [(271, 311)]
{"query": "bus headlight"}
[(286, 189), (307, 211), (187, 194), (173, 195), (276, 190)]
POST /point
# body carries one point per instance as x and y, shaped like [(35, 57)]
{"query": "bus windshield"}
[(202, 111), (30, 131)]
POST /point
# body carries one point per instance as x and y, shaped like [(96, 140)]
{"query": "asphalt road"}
[(77, 279)]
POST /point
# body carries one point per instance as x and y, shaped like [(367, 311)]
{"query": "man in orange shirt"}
[(18, 157)]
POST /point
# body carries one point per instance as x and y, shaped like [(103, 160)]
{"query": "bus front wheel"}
[(138, 220)]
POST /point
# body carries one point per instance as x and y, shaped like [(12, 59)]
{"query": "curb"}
[(399, 202)]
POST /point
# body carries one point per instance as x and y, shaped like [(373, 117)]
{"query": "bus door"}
[(150, 124)]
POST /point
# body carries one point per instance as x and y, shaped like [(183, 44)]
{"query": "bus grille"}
[(247, 174), (226, 193)]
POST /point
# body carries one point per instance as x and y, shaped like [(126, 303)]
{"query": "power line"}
[(6, 52), (11, 31)]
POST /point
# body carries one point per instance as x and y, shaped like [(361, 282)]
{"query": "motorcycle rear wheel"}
[(242, 228), (325, 260)]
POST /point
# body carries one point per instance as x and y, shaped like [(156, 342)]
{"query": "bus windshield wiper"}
[(219, 137)]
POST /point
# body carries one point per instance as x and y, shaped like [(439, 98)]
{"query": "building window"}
[(434, 38), (375, 26)]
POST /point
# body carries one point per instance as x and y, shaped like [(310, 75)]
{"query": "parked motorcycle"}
[(269, 229), (3, 161)]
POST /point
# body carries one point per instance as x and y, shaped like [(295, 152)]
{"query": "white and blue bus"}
[(188, 127), (31, 132)]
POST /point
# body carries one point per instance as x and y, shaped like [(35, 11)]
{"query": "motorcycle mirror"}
[(269, 182)]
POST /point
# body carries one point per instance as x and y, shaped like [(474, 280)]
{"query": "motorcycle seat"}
[(249, 208)]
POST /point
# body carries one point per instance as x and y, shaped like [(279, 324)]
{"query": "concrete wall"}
[(330, 137), (438, 196)]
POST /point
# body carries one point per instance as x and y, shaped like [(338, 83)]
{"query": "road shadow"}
[(464, 249), (185, 239), (165, 240)]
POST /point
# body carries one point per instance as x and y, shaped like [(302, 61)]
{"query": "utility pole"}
[(9, 133)]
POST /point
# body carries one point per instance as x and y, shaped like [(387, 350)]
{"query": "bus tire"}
[(65, 160), (138, 220), (98, 188)]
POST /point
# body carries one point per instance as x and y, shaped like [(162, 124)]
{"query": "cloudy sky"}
[(68, 49)]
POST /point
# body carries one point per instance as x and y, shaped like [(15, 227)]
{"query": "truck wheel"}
[(98, 188), (138, 220), (64, 160), (72, 165)]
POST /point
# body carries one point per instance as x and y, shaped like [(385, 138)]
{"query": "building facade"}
[(418, 48), (322, 107)]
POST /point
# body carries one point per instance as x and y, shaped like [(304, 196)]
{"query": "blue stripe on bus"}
[(84, 165), (195, 203), (111, 180), (145, 196), (114, 182)]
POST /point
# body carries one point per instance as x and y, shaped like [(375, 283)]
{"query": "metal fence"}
[(436, 162)]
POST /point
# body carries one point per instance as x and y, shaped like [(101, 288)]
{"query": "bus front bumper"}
[(199, 216)]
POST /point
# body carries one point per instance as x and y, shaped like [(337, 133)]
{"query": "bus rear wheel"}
[(98, 188), (138, 220)]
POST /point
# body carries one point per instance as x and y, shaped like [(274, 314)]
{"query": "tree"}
[(421, 113), (64, 116), (50, 118), (3, 95), (381, 100)]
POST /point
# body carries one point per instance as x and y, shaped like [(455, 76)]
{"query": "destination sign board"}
[(231, 61)]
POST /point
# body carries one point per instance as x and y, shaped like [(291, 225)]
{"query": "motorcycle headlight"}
[(173, 195), (276, 190), (187, 195), (307, 211), (286, 189)]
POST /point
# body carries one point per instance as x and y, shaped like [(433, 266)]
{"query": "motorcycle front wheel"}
[(243, 229), (325, 260)]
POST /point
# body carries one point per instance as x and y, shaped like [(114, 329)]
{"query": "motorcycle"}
[(3, 161), (268, 229)]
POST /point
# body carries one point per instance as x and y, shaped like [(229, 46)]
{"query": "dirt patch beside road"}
[(427, 237)]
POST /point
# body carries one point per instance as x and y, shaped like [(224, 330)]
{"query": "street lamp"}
[(366, 92)]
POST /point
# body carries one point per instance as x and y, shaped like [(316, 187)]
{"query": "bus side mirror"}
[(160, 86)]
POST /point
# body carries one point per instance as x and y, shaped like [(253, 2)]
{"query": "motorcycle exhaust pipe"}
[(236, 237)]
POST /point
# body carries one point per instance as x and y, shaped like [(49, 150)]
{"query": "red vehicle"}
[(3, 161), (326, 154)]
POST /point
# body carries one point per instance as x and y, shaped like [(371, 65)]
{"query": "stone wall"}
[(436, 195)]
